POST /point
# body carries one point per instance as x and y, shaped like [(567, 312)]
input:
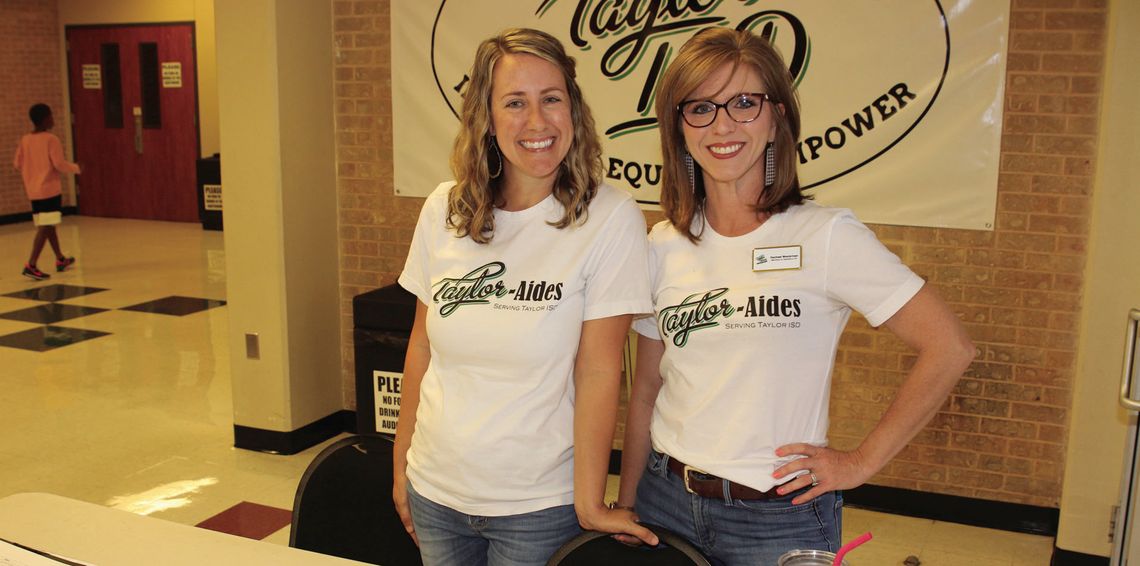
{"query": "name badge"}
[(776, 258)]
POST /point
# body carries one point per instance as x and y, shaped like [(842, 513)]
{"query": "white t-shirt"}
[(494, 431), (749, 348)]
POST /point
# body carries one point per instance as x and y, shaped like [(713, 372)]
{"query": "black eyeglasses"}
[(743, 108)]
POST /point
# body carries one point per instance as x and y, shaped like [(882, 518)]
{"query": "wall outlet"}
[(252, 346)]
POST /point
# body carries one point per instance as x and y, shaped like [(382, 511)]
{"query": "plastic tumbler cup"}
[(808, 558)]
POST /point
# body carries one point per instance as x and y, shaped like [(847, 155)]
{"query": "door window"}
[(149, 77), (112, 86)]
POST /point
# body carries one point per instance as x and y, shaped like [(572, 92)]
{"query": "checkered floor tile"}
[(50, 336)]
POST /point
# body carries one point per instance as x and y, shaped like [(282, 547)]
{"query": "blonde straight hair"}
[(700, 57), (471, 202)]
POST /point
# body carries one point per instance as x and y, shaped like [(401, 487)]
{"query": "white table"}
[(108, 537)]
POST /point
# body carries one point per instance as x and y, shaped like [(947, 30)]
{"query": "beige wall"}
[(275, 88), (247, 82), (309, 205), (1097, 432), (201, 12)]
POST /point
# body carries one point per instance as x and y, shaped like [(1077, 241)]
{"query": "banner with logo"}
[(901, 99)]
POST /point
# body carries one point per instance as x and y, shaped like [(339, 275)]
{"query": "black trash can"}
[(210, 192), (382, 323)]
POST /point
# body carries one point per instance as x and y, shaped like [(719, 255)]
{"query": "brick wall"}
[(30, 59), (375, 226), (1002, 434)]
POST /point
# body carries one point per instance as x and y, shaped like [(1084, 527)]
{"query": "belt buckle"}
[(685, 477)]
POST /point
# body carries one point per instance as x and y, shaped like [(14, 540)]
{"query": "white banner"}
[(901, 99)]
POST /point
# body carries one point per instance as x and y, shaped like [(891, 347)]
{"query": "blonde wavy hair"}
[(471, 202), (700, 57)]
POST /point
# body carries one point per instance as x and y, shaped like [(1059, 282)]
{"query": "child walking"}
[(39, 157)]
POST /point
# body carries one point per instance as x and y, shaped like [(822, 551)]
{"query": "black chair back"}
[(592, 548), (344, 505)]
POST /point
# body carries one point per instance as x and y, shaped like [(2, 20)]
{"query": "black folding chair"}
[(592, 548), (344, 505)]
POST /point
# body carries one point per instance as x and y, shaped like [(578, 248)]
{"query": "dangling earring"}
[(770, 164), (498, 159), (692, 174)]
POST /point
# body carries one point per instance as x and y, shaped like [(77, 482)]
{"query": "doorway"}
[(134, 107)]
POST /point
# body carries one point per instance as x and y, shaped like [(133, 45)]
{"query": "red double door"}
[(134, 102)]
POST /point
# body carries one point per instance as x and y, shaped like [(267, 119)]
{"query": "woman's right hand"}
[(400, 498)]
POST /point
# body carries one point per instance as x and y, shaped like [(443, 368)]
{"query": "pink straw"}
[(849, 547)]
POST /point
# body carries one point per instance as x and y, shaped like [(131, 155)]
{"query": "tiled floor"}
[(138, 416)]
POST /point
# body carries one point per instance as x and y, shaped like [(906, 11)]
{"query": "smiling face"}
[(730, 151), (531, 119)]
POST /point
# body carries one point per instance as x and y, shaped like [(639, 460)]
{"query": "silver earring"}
[(498, 159), (770, 164), (692, 174)]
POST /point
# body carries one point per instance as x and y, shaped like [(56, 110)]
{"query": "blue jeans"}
[(450, 538), (735, 532)]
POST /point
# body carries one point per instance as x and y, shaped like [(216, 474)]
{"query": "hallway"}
[(139, 419)]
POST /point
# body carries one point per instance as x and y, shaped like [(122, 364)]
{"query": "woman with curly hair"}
[(528, 272)]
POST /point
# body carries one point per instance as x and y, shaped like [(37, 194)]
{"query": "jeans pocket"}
[(778, 506), (805, 526), (657, 464)]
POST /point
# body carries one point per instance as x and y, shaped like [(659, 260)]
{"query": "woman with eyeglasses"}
[(726, 437), (528, 272)]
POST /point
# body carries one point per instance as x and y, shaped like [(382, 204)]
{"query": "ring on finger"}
[(814, 480)]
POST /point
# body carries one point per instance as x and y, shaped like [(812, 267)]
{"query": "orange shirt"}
[(39, 157)]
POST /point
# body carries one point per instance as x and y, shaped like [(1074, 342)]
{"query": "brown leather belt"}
[(705, 484)]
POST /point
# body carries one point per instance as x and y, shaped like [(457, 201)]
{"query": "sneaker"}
[(33, 272), (63, 264)]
